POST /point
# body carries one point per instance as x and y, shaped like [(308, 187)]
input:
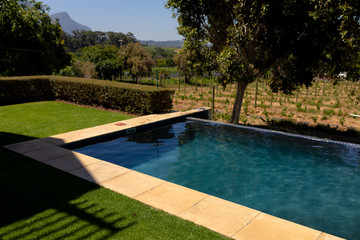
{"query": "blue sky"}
[(146, 19)]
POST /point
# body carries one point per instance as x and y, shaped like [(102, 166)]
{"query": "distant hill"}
[(151, 43), (67, 24)]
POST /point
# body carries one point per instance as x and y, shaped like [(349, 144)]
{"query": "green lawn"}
[(40, 202), (42, 119)]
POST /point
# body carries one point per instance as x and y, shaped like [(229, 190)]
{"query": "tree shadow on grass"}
[(39, 200), (10, 138)]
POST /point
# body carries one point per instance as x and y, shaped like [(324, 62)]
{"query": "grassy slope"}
[(39, 202)]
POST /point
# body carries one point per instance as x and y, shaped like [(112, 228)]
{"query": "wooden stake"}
[(213, 102), (217, 86), (256, 90), (202, 79), (307, 93), (195, 83), (184, 86)]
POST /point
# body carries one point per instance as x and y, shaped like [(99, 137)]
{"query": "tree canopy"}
[(30, 42), (105, 60), (292, 39), (137, 60), (81, 39), (109, 62)]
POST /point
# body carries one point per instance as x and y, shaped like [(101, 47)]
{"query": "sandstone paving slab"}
[(48, 153), (28, 146), (132, 183), (325, 236), (64, 138), (171, 197), (268, 227), (99, 172), (220, 215), (72, 161)]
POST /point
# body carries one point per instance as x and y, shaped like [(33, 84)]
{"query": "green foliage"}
[(223, 115), (266, 114), (105, 58), (298, 105), (109, 69), (161, 63), (299, 108), (24, 89), (110, 62), (82, 69), (311, 110), (181, 61), (97, 53), (314, 118), (164, 53), (342, 121), (283, 112), (243, 119), (340, 113), (137, 60), (329, 112), (80, 39), (30, 42), (126, 97)]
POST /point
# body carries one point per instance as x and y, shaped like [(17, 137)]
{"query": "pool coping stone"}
[(222, 216)]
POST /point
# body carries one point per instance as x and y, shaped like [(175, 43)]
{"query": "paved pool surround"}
[(222, 216)]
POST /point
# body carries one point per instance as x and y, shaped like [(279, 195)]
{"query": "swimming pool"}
[(309, 182)]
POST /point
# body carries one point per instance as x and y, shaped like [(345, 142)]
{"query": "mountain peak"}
[(67, 24), (61, 14)]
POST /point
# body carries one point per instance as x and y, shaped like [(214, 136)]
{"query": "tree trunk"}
[(240, 91)]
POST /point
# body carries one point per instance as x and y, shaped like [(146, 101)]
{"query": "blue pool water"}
[(308, 182)]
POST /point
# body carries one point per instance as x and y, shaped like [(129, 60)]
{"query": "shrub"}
[(314, 118), (122, 96), (342, 121), (329, 112), (21, 89)]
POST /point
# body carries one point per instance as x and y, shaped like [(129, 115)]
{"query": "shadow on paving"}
[(39, 200)]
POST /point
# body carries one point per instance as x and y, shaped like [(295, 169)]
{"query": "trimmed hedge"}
[(126, 97)]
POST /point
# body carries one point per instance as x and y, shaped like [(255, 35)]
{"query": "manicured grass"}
[(42, 119), (40, 202)]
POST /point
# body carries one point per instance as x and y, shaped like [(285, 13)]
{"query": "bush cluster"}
[(122, 96)]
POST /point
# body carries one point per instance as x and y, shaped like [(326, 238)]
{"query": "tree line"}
[(81, 39), (109, 62)]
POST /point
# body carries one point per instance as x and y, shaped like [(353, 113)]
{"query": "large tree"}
[(30, 42), (108, 65), (137, 60), (290, 38), (181, 61)]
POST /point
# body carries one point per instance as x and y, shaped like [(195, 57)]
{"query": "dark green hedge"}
[(122, 96)]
